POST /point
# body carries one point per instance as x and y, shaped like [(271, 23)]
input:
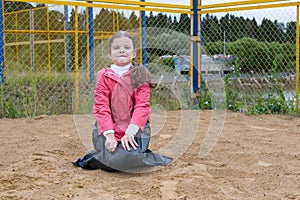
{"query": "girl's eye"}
[(115, 47), (127, 47)]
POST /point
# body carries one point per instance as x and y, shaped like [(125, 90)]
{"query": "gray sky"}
[(285, 14)]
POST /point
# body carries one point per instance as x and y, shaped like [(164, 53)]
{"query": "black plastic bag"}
[(120, 159)]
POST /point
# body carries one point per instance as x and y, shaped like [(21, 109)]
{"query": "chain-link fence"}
[(51, 58), (53, 51), (254, 49)]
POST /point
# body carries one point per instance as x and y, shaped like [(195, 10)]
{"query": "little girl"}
[(122, 110)]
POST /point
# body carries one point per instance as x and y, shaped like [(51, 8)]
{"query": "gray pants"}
[(142, 138)]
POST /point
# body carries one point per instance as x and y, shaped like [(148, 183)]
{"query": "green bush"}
[(36, 94), (255, 55)]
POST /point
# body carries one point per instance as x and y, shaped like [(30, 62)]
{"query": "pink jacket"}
[(117, 103)]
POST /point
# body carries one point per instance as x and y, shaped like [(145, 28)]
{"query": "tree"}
[(16, 6), (150, 20), (170, 23), (57, 20), (288, 50), (213, 48), (270, 31), (162, 20), (252, 28), (124, 23), (40, 5), (115, 20), (82, 39), (184, 24), (103, 21), (211, 30), (134, 21), (175, 24), (225, 26), (291, 32)]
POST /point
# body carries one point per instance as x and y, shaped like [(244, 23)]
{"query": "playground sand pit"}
[(255, 157)]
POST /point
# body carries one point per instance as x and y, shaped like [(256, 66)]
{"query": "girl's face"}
[(122, 51)]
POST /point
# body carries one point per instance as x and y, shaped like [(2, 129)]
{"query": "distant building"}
[(210, 65)]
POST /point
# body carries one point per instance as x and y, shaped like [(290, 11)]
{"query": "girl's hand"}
[(111, 142), (128, 139)]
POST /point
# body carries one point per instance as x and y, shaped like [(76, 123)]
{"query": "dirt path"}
[(256, 157)]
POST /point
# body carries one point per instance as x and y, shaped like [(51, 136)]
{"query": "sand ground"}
[(255, 157)]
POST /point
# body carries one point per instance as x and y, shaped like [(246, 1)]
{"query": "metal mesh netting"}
[(49, 68), (254, 52), (47, 53), (36, 79)]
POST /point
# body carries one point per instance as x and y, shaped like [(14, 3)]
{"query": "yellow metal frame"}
[(123, 5), (297, 60), (4, 43), (17, 38), (191, 50), (141, 38), (199, 50), (256, 5), (25, 10), (138, 5), (44, 31), (88, 42), (244, 5), (49, 47), (76, 59), (197, 39), (239, 3)]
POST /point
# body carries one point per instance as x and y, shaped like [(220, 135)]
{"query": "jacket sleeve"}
[(142, 110), (101, 108)]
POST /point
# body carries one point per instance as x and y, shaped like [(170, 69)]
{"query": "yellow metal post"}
[(199, 48), (113, 21), (123, 5), (17, 38), (88, 41), (49, 48), (247, 5), (297, 60), (76, 59), (4, 38), (191, 52), (141, 38), (118, 22)]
